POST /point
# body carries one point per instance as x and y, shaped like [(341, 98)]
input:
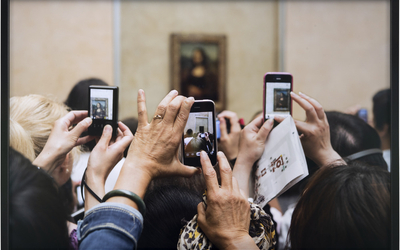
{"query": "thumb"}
[(105, 137), (188, 171), (201, 214)]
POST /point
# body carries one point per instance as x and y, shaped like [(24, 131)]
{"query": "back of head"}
[(78, 98), (31, 119), (382, 109), (349, 135), (343, 207), (170, 204), (37, 217)]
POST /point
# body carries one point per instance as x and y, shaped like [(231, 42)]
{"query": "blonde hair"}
[(31, 119)]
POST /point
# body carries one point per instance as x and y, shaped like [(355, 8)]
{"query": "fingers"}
[(223, 128), (310, 111), (142, 110), (278, 118), (81, 127), (162, 107), (225, 171), (209, 173), (73, 117), (265, 129), (124, 129), (173, 108), (183, 115), (318, 107), (84, 140), (233, 119)]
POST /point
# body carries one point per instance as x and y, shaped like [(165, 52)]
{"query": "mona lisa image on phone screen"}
[(103, 108), (277, 100), (200, 134)]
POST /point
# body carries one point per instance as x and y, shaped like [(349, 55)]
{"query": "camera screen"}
[(277, 99), (199, 134), (101, 104)]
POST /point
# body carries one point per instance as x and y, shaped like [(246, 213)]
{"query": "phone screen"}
[(199, 134), (277, 95), (101, 103)]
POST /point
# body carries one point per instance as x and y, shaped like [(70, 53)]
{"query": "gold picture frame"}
[(198, 66)]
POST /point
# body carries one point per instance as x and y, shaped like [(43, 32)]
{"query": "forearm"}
[(96, 184), (134, 179), (242, 173), (328, 158)]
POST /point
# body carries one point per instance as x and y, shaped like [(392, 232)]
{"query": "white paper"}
[(282, 164)]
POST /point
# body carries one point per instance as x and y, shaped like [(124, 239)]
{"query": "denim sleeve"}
[(110, 226)]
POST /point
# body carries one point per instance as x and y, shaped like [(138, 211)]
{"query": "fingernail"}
[(141, 91), (271, 120), (88, 120), (292, 93), (301, 94), (173, 92), (203, 153), (191, 98), (107, 129)]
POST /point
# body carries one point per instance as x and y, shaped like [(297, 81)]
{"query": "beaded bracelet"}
[(128, 194)]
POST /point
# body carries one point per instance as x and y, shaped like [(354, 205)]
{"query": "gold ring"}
[(157, 117)]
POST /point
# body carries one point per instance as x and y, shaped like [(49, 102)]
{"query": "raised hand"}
[(226, 219), (251, 147), (315, 136), (229, 143), (104, 156), (61, 141)]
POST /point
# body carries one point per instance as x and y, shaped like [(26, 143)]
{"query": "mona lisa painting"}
[(198, 66)]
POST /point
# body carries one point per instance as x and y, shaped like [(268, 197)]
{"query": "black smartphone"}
[(277, 100), (103, 108), (200, 134)]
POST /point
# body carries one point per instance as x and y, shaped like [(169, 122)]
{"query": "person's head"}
[(189, 133), (170, 204), (381, 110), (349, 135), (343, 207), (78, 98), (31, 119), (199, 56), (37, 216), (98, 105)]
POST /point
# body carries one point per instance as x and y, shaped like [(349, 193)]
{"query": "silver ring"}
[(157, 117)]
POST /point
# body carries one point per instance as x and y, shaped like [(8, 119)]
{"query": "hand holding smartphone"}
[(277, 100), (200, 134), (103, 109)]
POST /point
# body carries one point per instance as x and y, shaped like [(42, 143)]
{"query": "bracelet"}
[(128, 194), (84, 184)]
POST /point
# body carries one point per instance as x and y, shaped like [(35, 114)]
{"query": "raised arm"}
[(229, 143), (315, 137), (251, 147), (226, 219), (62, 140), (103, 158)]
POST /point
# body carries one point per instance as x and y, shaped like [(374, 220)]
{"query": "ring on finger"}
[(157, 117)]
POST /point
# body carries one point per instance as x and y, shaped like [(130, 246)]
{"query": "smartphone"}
[(103, 108), (277, 100), (200, 134)]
